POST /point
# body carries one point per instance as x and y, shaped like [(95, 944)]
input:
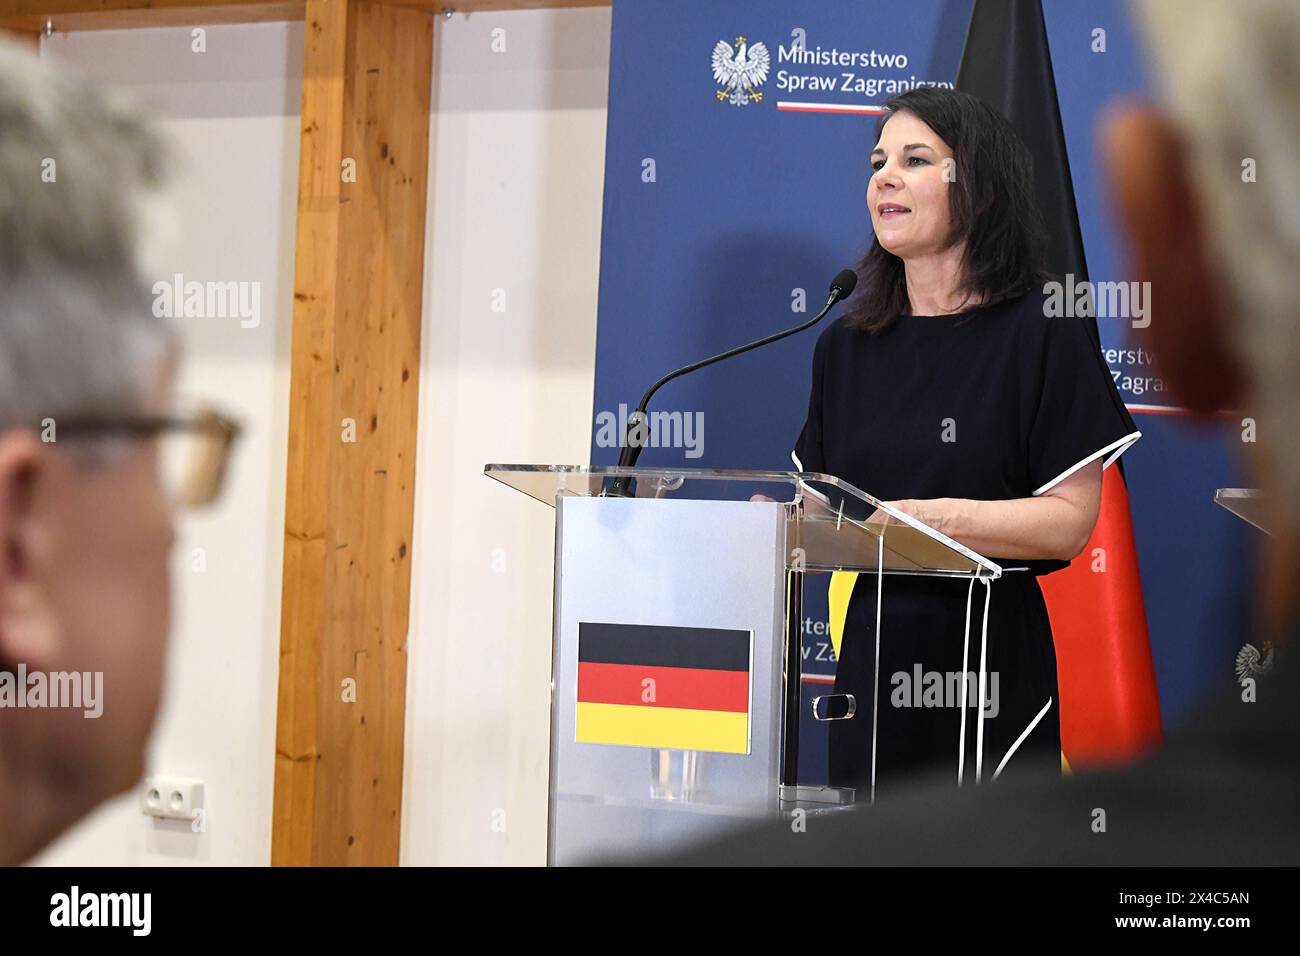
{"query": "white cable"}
[(875, 684), (984, 644), (965, 654)]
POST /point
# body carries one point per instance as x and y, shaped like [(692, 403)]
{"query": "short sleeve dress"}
[(995, 403)]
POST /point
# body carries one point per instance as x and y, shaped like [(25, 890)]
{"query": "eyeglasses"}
[(193, 452)]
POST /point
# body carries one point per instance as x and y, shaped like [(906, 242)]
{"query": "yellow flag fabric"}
[(840, 591), (663, 728)]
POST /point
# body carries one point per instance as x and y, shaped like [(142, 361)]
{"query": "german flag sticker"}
[(669, 688)]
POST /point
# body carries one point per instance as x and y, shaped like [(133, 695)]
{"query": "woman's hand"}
[(936, 513)]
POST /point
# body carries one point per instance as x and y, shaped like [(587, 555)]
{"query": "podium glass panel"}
[(1245, 503), (837, 526)]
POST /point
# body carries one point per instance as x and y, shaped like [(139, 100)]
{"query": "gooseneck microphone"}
[(842, 287)]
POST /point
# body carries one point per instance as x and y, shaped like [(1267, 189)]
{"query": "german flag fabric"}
[(669, 688)]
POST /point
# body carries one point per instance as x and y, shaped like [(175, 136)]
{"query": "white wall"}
[(233, 112), (517, 164)]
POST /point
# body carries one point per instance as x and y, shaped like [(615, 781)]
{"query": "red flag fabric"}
[(1110, 711)]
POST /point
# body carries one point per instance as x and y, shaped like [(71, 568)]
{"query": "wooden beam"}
[(27, 38), (359, 265), (68, 16), (30, 16)]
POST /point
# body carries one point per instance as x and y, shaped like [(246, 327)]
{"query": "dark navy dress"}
[(996, 403)]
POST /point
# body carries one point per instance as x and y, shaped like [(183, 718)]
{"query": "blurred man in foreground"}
[(85, 518), (1222, 253)]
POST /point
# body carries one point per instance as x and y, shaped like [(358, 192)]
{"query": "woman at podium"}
[(953, 389)]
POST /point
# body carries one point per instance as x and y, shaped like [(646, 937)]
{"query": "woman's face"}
[(908, 192)]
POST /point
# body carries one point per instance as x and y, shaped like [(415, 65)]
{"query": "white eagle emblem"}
[(739, 70), (1251, 663)]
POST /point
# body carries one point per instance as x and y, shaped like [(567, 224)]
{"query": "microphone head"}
[(842, 285)]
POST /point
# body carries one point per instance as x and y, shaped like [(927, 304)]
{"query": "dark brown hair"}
[(991, 202)]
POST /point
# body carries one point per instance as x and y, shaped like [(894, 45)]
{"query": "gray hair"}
[(1229, 74), (78, 172)]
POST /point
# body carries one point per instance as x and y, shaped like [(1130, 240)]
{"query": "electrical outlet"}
[(171, 798)]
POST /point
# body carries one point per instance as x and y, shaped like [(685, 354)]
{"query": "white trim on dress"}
[(1021, 739), (1118, 447)]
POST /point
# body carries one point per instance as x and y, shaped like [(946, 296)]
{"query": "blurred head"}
[(948, 173), (84, 526), (1208, 188)]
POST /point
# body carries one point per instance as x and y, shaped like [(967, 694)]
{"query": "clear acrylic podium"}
[(1246, 503), (676, 649)]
